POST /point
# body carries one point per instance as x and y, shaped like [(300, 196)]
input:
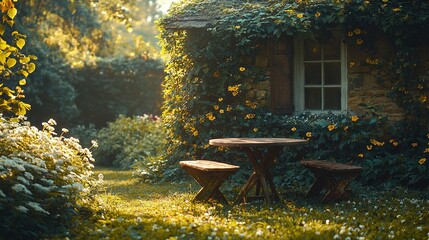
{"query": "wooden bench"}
[(331, 176), (210, 175)]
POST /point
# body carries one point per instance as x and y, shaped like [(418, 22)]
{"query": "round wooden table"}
[(261, 153)]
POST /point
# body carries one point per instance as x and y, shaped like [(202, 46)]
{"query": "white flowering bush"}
[(44, 179)]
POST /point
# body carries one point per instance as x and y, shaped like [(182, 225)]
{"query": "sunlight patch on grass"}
[(165, 211)]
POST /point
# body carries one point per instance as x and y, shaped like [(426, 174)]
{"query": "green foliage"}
[(129, 140), (90, 68), (207, 89), (15, 66), (127, 86), (44, 180)]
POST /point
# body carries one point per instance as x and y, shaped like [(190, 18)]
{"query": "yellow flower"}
[(308, 134), (242, 69), (216, 74), (210, 116), (331, 127), (350, 34), (249, 116), (228, 108), (251, 104), (376, 143), (293, 129), (357, 31), (396, 9), (220, 99), (354, 118), (422, 161), (237, 27), (369, 147), (426, 150), (395, 144), (216, 107), (359, 41), (234, 94), (360, 155), (221, 111), (317, 14), (423, 99), (290, 11), (352, 64), (414, 145), (300, 15), (345, 128), (233, 88), (195, 133), (255, 129)]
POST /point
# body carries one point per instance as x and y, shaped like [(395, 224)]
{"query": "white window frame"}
[(299, 100)]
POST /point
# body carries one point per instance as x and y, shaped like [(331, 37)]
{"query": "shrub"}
[(44, 179), (129, 140), (388, 152), (119, 86)]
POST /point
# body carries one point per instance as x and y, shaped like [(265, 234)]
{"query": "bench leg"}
[(210, 190), (337, 188), (321, 180), (210, 183)]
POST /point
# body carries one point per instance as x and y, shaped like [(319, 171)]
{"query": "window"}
[(320, 75)]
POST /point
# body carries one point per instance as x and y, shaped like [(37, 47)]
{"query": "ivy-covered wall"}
[(216, 87)]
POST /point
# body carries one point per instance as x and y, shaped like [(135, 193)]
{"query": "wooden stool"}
[(335, 177), (210, 175)]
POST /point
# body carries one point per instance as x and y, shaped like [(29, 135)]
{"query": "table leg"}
[(246, 188), (261, 178)]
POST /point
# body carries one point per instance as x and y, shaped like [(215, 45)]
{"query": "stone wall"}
[(368, 81)]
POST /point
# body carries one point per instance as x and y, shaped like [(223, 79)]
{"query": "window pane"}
[(313, 98), (312, 50), (332, 98), (332, 73), (332, 49), (313, 73)]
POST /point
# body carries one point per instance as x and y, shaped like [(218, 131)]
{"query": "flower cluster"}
[(42, 177)]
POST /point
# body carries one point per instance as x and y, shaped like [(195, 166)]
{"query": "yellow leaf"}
[(12, 13), (23, 107), (2, 59), (10, 22), (20, 43), (24, 60), (2, 29), (22, 82), (3, 44), (31, 67), (11, 62), (25, 73)]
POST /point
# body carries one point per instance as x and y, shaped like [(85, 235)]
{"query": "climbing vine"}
[(15, 66), (208, 89)]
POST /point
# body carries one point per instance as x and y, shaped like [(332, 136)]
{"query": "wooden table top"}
[(255, 142)]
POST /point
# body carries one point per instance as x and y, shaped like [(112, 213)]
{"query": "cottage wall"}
[(368, 81), (369, 76)]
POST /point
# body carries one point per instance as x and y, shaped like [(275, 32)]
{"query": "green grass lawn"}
[(133, 210)]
